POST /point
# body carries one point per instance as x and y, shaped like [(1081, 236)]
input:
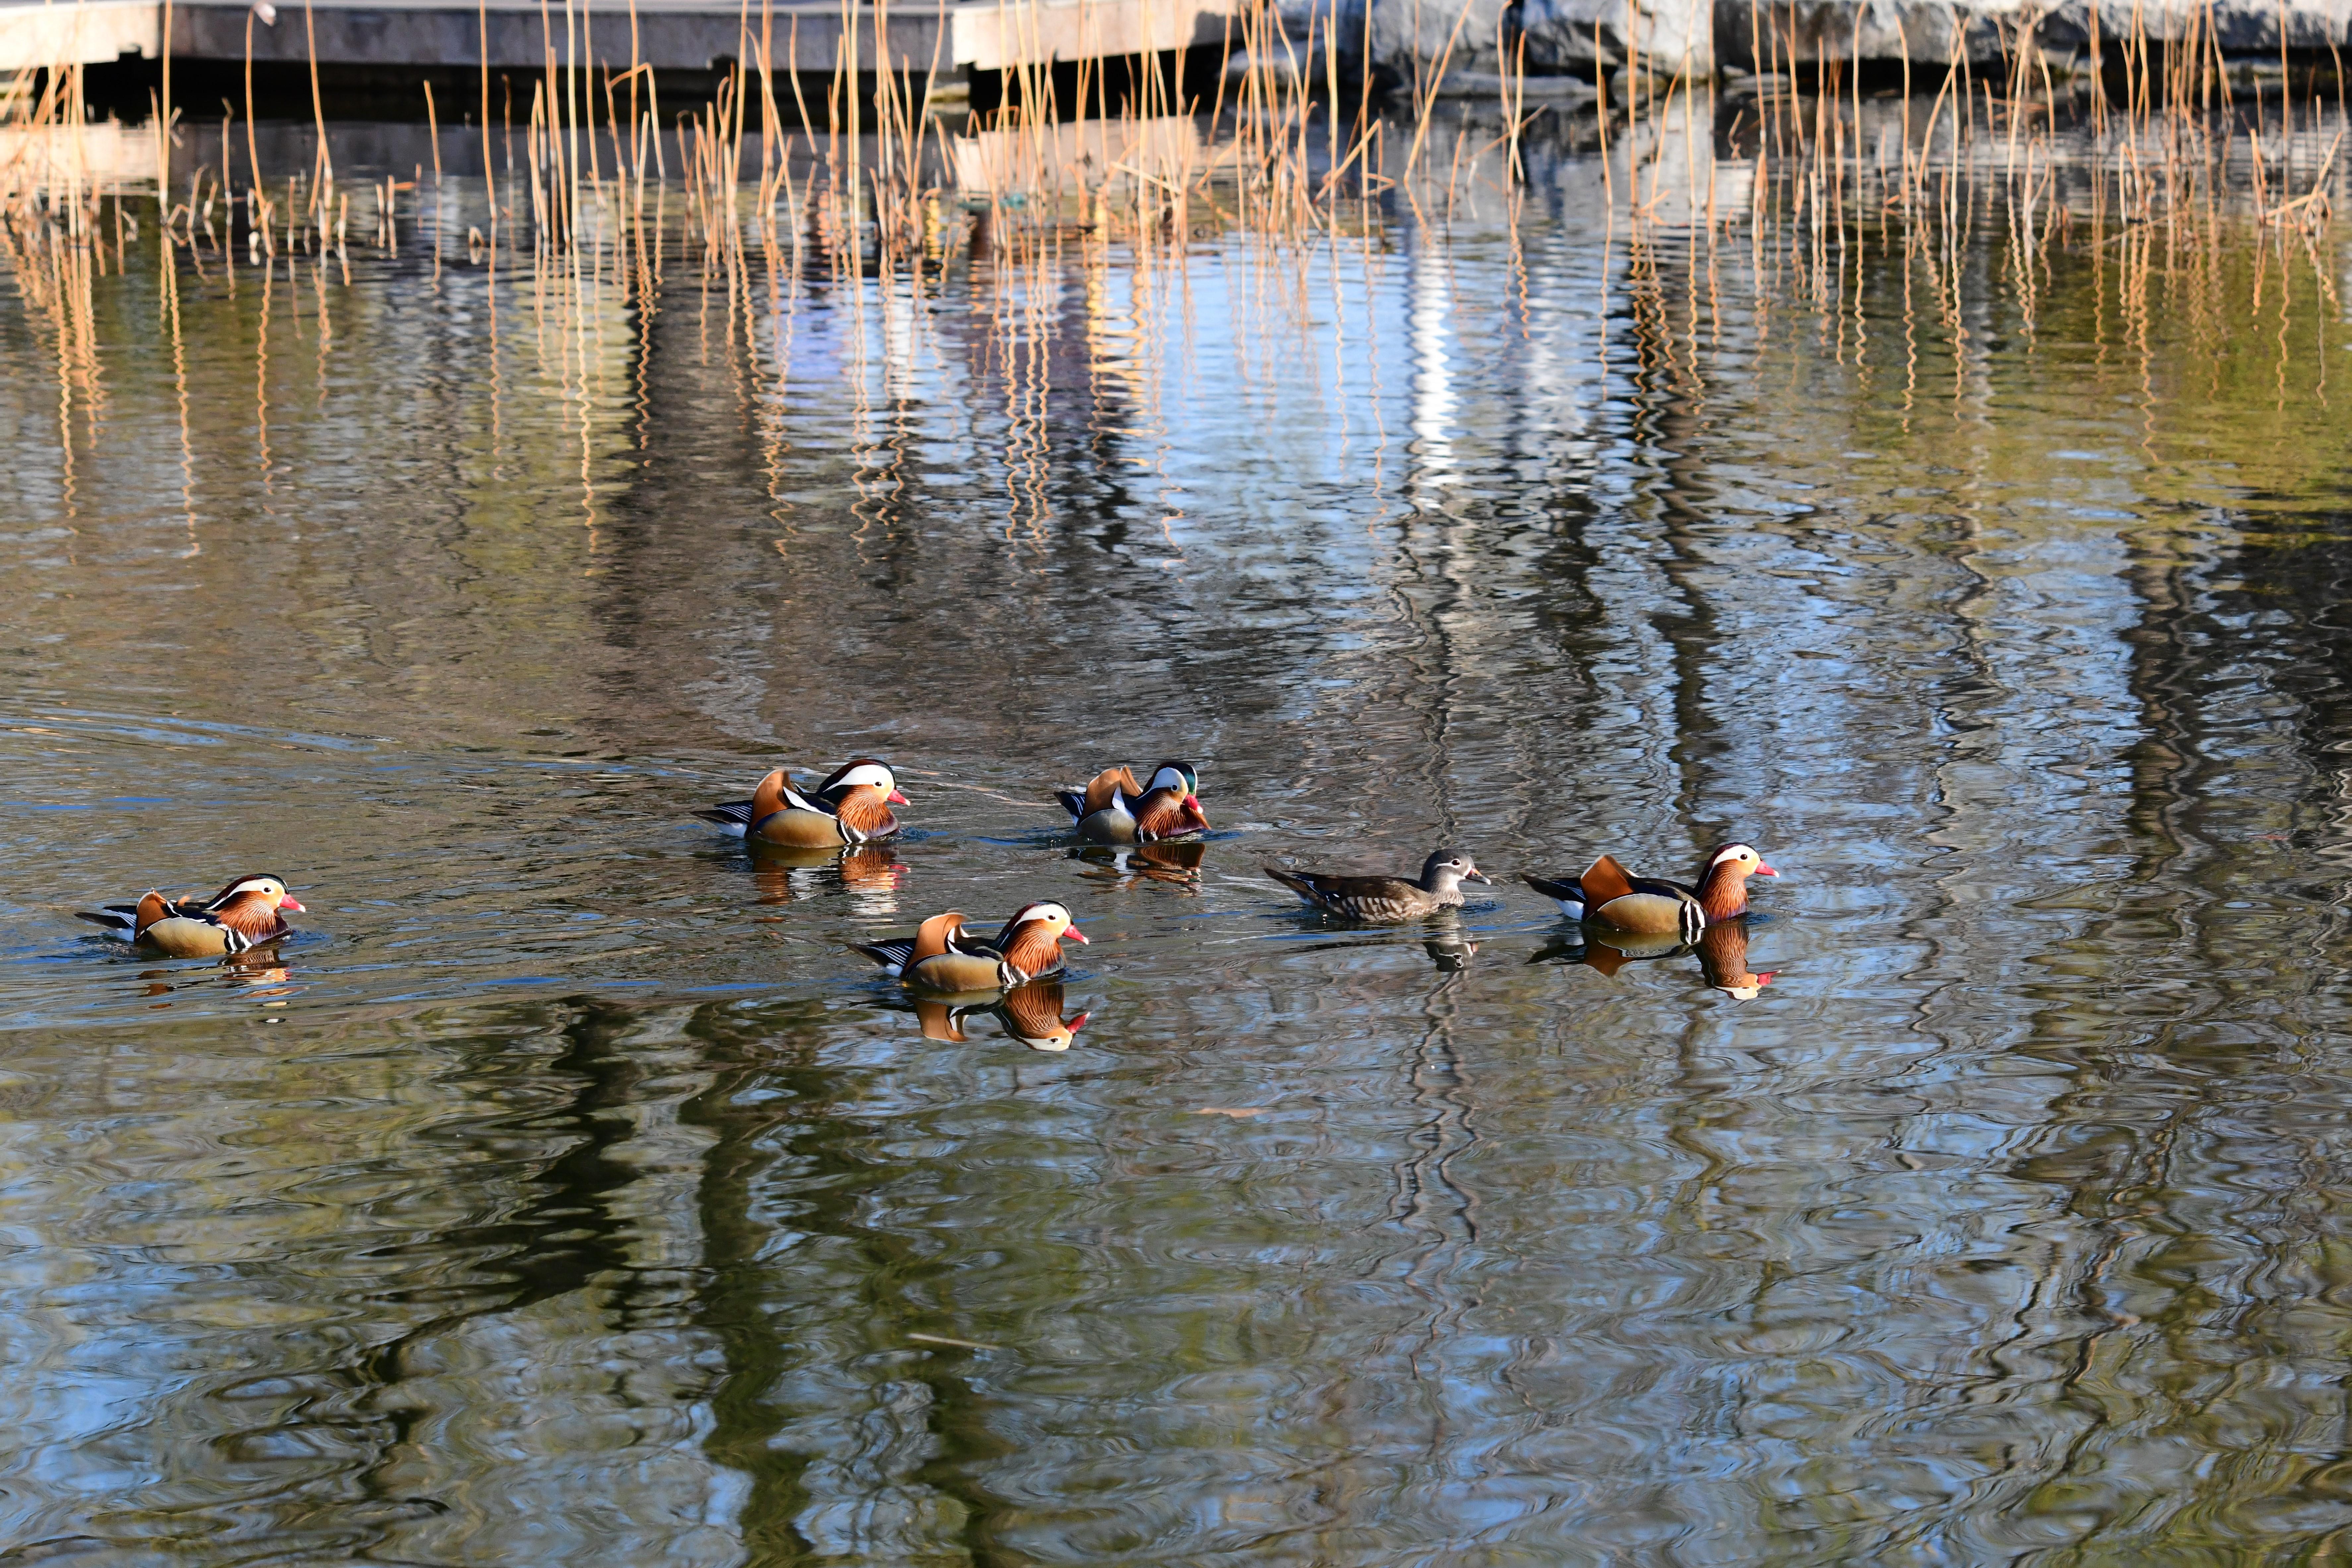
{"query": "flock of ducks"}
[(951, 967)]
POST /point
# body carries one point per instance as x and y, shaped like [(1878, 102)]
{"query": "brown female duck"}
[(1439, 886)]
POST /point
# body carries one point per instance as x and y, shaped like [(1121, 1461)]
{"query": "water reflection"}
[(1721, 950), (871, 873), (1030, 1015), (1177, 863), (569, 1193)]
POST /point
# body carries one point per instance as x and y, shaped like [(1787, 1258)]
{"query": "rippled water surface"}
[(564, 1192)]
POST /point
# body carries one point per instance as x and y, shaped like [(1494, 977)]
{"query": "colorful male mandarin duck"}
[(852, 807), (943, 955), (1439, 886), (1609, 894), (241, 916), (1113, 810)]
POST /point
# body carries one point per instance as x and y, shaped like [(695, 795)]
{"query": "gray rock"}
[(1927, 30), (1689, 36), (1671, 37)]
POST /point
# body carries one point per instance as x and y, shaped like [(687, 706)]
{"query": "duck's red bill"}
[(290, 902), (896, 799), (1075, 935), (1763, 870)]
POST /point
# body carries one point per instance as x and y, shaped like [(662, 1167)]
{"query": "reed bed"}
[(597, 194)]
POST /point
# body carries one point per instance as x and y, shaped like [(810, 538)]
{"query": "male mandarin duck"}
[(1180, 776), (1439, 886), (850, 806), (1609, 894), (244, 914), (1114, 810), (943, 955)]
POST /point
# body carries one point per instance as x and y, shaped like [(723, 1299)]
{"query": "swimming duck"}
[(1609, 894), (1114, 810), (1439, 886), (241, 916), (850, 806), (944, 955)]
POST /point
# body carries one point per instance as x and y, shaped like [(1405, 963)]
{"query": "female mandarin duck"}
[(1112, 809), (850, 806), (943, 955), (241, 916), (1609, 894), (1439, 886)]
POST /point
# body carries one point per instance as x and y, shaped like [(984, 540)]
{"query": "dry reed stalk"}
[(164, 137), (1428, 100), (322, 172), (432, 124)]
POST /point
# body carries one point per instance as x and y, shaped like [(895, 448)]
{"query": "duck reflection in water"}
[(1030, 1014), (786, 875), (1722, 950), (256, 967), (1177, 861), (1448, 945), (1441, 936)]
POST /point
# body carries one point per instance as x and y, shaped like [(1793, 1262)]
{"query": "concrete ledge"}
[(91, 33), (671, 35)]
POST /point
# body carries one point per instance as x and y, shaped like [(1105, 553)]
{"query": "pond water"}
[(564, 1191)]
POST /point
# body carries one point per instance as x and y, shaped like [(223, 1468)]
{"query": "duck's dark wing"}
[(1567, 889), (1305, 884), (891, 954), (735, 814), (1074, 801), (1364, 897), (123, 918)]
